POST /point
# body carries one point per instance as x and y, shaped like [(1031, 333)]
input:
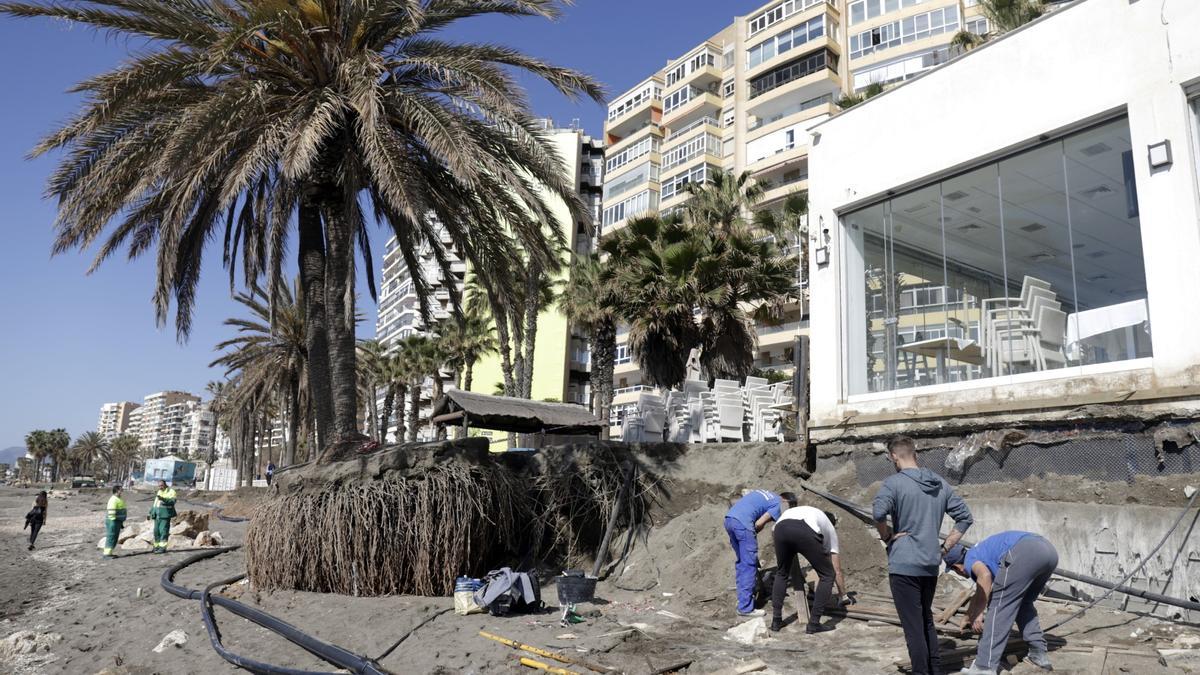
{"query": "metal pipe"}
[(863, 514)]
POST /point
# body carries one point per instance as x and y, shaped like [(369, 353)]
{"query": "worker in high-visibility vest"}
[(162, 512), (113, 522)]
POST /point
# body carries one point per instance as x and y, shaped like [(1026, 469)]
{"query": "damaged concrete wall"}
[(1107, 541)]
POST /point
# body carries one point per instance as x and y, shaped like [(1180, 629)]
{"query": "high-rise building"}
[(745, 99), (561, 356), (162, 420), (115, 418)]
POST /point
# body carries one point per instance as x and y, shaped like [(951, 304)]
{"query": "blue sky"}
[(70, 342)]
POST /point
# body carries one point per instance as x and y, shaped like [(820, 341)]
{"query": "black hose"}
[(333, 654), (862, 513)]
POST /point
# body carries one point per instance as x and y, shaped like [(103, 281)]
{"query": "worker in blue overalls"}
[(746, 518)]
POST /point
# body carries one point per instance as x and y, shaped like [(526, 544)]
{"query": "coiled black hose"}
[(333, 654)]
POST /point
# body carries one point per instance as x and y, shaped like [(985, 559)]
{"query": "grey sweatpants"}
[(1023, 573)]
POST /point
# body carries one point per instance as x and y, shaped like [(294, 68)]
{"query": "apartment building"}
[(561, 354), (174, 423), (745, 99), (115, 418)]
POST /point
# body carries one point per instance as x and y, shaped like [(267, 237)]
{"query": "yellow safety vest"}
[(116, 508), (164, 504)]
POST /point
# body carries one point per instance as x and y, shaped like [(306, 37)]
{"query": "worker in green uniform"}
[(162, 512), (114, 521)]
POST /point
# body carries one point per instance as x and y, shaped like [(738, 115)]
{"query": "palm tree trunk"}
[(389, 402), (468, 375), (312, 285), (373, 412), (414, 412), (401, 395), (340, 320), (500, 318), (439, 430), (293, 420), (533, 299), (604, 351)]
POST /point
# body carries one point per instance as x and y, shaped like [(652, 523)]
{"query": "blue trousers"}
[(745, 546)]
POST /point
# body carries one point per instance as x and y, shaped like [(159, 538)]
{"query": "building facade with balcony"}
[(115, 418), (746, 99)]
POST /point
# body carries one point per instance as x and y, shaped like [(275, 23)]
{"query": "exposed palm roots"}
[(413, 534)]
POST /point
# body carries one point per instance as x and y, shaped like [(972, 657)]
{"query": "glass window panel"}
[(917, 269), (870, 300), (1113, 321), (1038, 256), (922, 22)]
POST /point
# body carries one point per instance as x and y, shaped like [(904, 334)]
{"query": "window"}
[(692, 148), (1032, 263), (649, 92), (864, 10), (647, 171), (642, 147), (786, 41), (919, 27), (676, 184), (691, 65), (900, 69), (779, 12), (678, 98), (978, 25), (727, 88), (623, 355), (647, 200), (794, 70)]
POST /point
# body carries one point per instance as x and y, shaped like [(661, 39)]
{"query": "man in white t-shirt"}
[(809, 532)]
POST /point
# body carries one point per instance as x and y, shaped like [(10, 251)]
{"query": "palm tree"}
[(1007, 15), (248, 117), (57, 444), (852, 99), (271, 347), (466, 340), (788, 222), (396, 374), (123, 451), (653, 263), (88, 447), (1002, 16), (724, 201), (37, 447), (588, 301), (370, 378)]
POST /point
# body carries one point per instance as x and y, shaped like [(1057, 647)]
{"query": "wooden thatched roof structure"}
[(517, 415)]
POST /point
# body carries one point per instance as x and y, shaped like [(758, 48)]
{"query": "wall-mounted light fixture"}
[(821, 253), (1160, 155)]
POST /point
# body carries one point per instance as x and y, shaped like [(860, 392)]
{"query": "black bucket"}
[(575, 587)]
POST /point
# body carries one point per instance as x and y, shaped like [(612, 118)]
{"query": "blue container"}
[(467, 584)]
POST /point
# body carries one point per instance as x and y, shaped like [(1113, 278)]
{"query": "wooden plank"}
[(959, 600)]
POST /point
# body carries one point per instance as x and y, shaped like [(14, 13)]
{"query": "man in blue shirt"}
[(746, 518), (1011, 570)]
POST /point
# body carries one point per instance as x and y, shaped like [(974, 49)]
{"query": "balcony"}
[(630, 394), (783, 334), (698, 68), (806, 78), (647, 113), (700, 103)]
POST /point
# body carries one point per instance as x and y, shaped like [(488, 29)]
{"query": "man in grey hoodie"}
[(916, 499)]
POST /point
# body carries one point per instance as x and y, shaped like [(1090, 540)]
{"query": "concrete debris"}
[(1168, 437), (137, 544), (175, 638), (755, 666), (1186, 641), (128, 532), (1187, 660), (189, 524), (178, 541), (27, 642), (751, 632), (996, 442), (203, 539), (217, 539), (1189, 490)]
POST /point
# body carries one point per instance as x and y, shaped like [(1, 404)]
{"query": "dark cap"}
[(955, 555)]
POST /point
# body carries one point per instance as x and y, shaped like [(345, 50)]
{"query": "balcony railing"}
[(707, 119), (632, 390)]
